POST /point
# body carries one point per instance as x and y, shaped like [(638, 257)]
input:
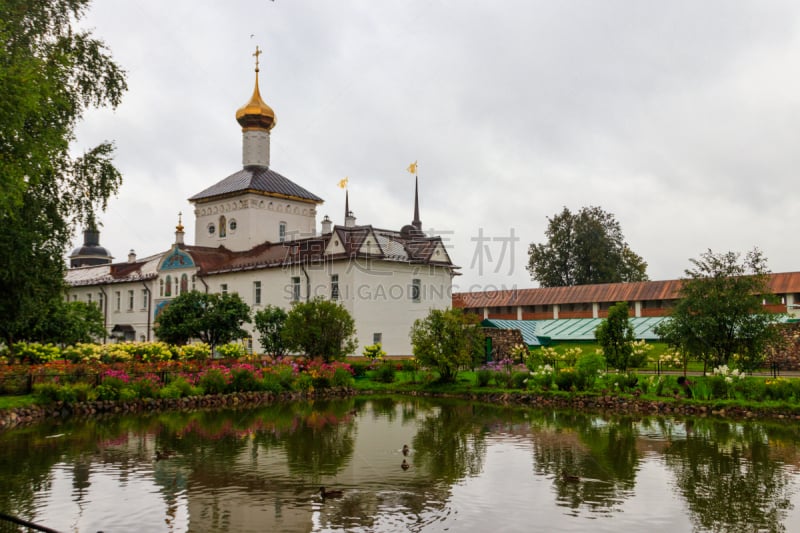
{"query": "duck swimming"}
[(164, 454), (406, 449), (330, 493), (569, 477), (404, 465)]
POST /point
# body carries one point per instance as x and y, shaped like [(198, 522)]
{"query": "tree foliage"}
[(582, 248), (269, 322), (615, 336), (320, 328), (446, 340), (68, 323), (213, 318), (720, 311), (51, 72)]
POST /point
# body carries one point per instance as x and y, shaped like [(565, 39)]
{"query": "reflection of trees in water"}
[(451, 444), (602, 452), (725, 473), (731, 475)]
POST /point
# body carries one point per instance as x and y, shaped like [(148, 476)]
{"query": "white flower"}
[(728, 379)]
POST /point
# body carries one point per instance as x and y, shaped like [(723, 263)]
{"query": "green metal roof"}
[(541, 332)]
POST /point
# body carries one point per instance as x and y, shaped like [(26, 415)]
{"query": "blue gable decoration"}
[(177, 259), (159, 307)]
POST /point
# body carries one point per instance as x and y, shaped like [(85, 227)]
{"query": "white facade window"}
[(223, 288), (257, 292), (89, 298), (194, 280), (74, 297), (334, 286), (161, 288), (100, 300), (296, 289), (130, 300), (145, 298), (117, 300), (282, 232), (416, 290), (377, 338)]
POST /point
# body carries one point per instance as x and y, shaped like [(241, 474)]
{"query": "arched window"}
[(168, 286), (222, 226), (184, 283)]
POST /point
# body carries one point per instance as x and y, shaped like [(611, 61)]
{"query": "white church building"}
[(257, 235)]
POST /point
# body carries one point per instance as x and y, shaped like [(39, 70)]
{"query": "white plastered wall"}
[(257, 219)]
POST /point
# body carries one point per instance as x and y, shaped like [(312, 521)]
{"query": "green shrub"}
[(542, 378), (243, 380), (170, 392), (321, 382), (409, 365), (374, 351), (67, 394), (520, 379), (756, 389), (566, 379), (271, 382), (84, 392), (303, 382), (107, 392), (46, 392), (147, 387), (37, 353), (701, 389), (213, 381), (359, 369), (589, 367), (483, 376), (285, 375), (384, 373), (179, 388), (342, 377), (232, 350), (195, 352), (127, 394), (503, 379)]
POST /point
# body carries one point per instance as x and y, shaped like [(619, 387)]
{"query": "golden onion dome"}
[(256, 114)]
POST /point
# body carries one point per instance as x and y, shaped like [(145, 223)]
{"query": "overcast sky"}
[(680, 118)]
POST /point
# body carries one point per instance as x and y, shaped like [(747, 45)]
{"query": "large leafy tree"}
[(615, 336), (68, 323), (320, 329), (582, 248), (51, 72), (213, 318), (720, 311), (446, 340)]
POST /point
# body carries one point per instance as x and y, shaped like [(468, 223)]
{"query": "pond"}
[(468, 467)]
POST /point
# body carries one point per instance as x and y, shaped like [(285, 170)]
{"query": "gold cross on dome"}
[(256, 54)]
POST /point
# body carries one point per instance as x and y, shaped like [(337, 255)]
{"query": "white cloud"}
[(681, 118)]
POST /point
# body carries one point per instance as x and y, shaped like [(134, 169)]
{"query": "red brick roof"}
[(780, 283)]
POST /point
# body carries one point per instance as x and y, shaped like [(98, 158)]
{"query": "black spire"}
[(417, 223), (346, 204)]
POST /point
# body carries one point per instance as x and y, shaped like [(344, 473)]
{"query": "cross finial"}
[(256, 54)]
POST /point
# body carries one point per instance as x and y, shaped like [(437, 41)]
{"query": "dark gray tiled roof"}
[(260, 179)]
